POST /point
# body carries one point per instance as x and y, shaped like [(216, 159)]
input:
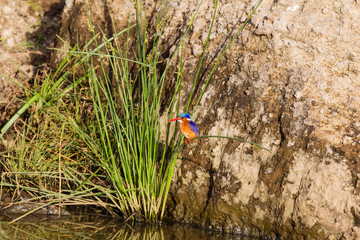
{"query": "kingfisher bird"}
[(187, 127)]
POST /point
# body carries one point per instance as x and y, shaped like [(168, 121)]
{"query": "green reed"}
[(127, 130)]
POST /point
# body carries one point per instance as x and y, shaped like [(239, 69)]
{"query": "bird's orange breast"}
[(186, 130)]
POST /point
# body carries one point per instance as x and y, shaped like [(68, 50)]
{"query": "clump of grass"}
[(48, 162), (121, 136), (126, 131)]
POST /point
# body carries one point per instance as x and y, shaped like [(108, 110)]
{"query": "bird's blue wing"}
[(194, 128)]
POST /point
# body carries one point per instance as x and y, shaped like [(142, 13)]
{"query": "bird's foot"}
[(188, 140)]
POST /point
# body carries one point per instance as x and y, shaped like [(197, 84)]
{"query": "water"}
[(100, 227)]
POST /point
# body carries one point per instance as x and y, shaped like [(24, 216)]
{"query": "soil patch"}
[(27, 30)]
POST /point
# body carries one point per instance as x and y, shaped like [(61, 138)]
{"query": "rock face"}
[(290, 83)]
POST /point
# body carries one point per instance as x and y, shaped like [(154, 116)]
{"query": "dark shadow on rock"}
[(207, 64), (206, 69), (45, 35)]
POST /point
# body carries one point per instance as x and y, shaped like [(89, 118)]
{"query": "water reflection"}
[(95, 227)]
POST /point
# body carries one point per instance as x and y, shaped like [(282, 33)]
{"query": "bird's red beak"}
[(175, 119)]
